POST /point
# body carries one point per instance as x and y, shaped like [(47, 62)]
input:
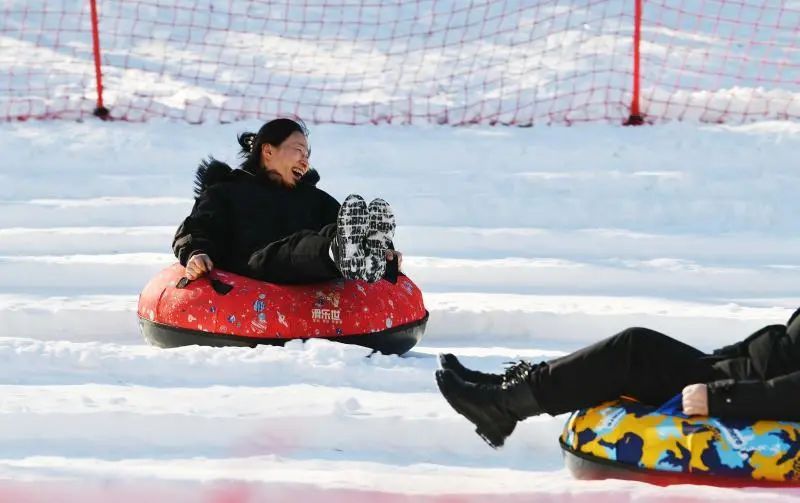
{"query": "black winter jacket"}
[(764, 375), (237, 214)]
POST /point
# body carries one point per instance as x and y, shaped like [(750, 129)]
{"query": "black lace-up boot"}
[(494, 409), (449, 361)]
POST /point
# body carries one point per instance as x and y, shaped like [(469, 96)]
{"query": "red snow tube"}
[(225, 309)]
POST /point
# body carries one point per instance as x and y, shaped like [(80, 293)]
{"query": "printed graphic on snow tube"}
[(225, 309), (628, 440)]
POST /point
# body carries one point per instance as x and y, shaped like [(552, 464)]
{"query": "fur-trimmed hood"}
[(212, 171)]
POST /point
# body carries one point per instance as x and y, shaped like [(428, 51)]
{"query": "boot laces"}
[(516, 372)]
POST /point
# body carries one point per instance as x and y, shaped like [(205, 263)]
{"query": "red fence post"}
[(100, 110), (635, 118)]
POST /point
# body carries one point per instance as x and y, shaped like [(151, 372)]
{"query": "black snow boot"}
[(494, 410), (449, 361), (348, 247), (380, 232)]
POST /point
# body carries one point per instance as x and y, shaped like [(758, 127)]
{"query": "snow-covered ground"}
[(526, 242), (518, 62)]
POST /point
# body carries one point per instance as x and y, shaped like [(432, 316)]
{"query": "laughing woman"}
[(268, 220)]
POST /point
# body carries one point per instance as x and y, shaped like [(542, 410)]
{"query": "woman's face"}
[(287, 162)]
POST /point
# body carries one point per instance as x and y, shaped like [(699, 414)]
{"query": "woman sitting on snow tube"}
[(753, 380), (268, 221)]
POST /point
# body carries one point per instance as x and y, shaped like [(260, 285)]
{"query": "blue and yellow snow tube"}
[(629, 440)]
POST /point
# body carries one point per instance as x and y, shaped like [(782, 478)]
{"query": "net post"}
[(635, 118), (100, 110)]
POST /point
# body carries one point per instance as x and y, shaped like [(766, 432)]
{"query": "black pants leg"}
[(638, 362), (302, 257)]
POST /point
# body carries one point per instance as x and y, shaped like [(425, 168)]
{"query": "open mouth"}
[(297, 173)]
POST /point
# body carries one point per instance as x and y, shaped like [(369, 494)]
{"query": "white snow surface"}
[(526, 243), (403, 62)]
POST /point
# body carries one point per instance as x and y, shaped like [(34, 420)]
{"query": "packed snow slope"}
[(518, 62), (526, 243)]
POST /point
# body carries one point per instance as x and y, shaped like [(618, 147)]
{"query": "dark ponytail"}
[(273, 133)]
